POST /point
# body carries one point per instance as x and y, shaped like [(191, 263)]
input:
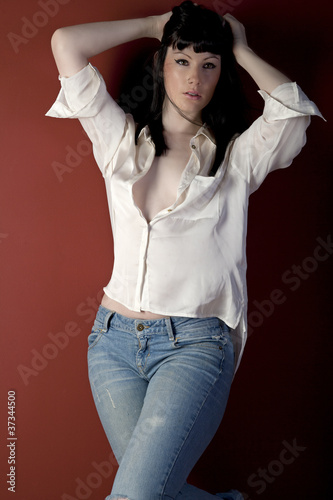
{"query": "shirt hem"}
[(231, 324)]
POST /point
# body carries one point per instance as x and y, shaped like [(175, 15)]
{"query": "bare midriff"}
[(113, 305)]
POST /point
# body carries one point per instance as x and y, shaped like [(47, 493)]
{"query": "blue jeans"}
[(160, 388)]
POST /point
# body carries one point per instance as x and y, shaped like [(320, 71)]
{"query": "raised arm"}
[(266, 76), (72, 46)]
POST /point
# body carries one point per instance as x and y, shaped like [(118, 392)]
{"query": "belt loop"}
[(107, 319), (224, 326), (169, 326)]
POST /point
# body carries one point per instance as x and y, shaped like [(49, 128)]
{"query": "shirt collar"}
[(145, 132), (204, 130)]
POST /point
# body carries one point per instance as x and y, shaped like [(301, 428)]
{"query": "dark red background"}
[(56, 255)]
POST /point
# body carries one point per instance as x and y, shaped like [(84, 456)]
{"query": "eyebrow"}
[(209, 57)]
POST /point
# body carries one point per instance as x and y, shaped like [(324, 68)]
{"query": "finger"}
[(229, 17)]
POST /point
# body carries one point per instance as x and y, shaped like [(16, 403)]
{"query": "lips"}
[(192, 94)]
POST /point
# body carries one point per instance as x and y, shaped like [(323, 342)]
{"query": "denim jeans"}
[(160, 389)]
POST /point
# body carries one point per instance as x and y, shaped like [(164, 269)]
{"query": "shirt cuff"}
[(287, 101), (77, 97)]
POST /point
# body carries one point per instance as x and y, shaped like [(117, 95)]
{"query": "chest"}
[(157, 189)]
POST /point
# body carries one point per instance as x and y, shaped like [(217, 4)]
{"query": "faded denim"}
[(160, 389)]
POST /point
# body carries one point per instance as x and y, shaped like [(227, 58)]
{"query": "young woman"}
[(171, 328)]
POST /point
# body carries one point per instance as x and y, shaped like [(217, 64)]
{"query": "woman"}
[(171, 328)]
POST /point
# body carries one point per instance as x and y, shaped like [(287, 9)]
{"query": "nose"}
[(194, 76)]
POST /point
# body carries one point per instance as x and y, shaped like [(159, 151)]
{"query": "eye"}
[(182, 62), (209, 65)]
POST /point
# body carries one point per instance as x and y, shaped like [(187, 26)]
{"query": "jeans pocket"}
[(94, 337), (97, 331), (99, 328), (217, 341)]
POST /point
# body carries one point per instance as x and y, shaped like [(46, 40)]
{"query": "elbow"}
[(68, 58), (59, 41)]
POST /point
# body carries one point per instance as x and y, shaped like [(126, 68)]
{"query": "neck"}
[(174, 122)]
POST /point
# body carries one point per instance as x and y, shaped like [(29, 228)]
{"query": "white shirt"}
[(190, 259)]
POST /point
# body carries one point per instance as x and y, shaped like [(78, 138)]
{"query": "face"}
[(190, 79)]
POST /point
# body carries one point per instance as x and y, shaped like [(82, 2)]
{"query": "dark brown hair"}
[(204, 30)]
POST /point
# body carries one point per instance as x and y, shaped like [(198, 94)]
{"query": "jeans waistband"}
[(161, 326)]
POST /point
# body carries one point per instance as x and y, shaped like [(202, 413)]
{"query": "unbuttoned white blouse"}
[(190, 259)]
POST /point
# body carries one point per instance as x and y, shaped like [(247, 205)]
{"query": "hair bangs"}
[(199, 40), (199, 46)]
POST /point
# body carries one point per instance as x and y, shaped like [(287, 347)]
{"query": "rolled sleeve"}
[(287, 101), (84, 96), (276, 137)]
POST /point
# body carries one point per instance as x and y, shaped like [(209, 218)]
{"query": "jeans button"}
[(140, 327)]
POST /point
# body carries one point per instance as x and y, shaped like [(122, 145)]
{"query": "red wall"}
[(56, 255)]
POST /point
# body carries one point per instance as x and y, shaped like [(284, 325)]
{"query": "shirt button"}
[(140, 327), (193, 146), (169, 209)]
